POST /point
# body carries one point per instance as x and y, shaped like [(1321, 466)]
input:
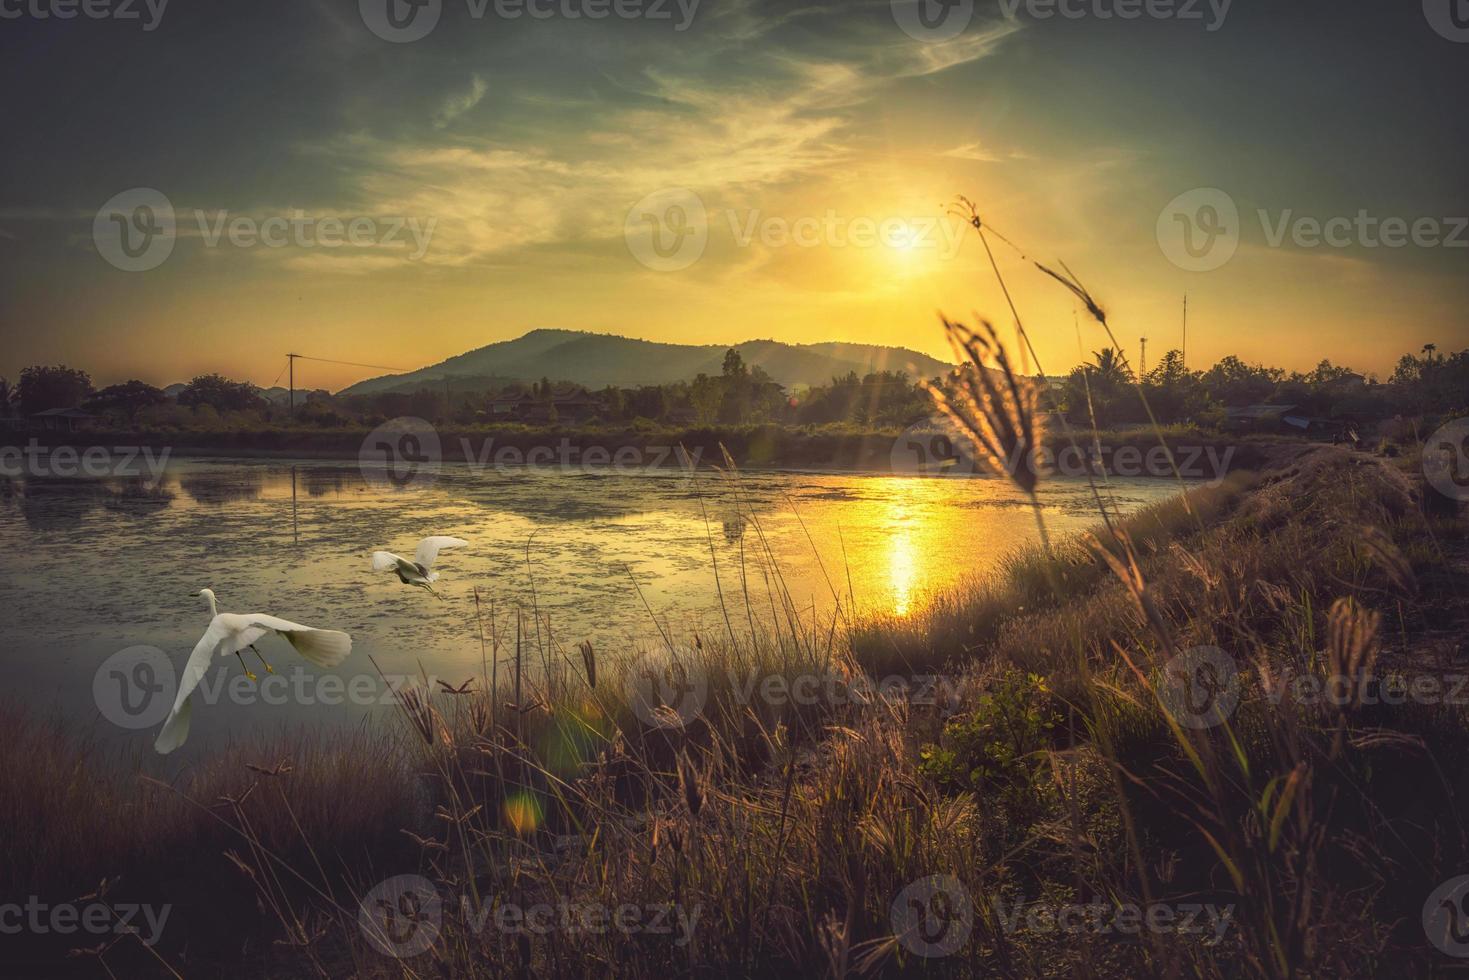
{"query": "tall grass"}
[(789, 835), (791, 829)]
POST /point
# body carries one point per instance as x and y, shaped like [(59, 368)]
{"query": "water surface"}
[(94, 566)]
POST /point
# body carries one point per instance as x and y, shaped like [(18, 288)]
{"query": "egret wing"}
[(324, 648), (385, 561), (428, 549), (176, 728)]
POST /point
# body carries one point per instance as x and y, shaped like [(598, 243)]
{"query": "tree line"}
[(1105, 389)]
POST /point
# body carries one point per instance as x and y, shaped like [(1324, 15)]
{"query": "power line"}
[(291, 360), (327, 360)]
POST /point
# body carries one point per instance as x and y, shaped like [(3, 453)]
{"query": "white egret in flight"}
[(416, 572), (230, 633)]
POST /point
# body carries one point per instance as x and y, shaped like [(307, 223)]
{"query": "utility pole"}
[(1185, 331), (291, 360), (1143, 358)]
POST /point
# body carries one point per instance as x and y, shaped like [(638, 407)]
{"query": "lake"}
[(98, 566)]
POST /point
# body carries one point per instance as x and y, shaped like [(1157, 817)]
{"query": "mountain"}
[(597, 360)]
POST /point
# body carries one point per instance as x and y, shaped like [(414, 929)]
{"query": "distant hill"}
[(598, 360)]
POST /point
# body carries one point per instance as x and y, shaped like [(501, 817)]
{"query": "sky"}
[(190, 187)]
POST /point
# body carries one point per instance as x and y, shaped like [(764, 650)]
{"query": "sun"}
[(904, 238)]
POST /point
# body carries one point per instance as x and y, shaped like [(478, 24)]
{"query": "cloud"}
[(740, 124), (980, 153), (925, 58), (458, 104)]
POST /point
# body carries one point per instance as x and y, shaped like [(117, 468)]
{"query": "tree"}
[(1233, 382), (1100, 392), (613, 402), (1326, 372), (647, 402), (7, 395), (221, 394), (705, 396), (1433, 383), (127, 399), (1174, 392), (1109, 369), (42, 388), (734, 364)]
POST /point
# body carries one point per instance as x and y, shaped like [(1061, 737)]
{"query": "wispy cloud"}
[(728, 121), (461, 102), (981, 153)]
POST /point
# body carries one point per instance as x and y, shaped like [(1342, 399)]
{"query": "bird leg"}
[(242, 664), (268, 668)]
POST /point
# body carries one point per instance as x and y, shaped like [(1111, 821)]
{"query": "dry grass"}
[(1027, 585), (789, 831), (786, 838)]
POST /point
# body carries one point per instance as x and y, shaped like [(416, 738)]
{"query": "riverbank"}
[(1116, 756), (922, 451)]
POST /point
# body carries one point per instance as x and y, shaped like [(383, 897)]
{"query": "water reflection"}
[(294, 539), (136, 496), (319, 481), (216, 487), (902, 562)]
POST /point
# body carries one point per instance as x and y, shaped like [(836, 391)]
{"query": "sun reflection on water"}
[(902, 557), (902, 570)]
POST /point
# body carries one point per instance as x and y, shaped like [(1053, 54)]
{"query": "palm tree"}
[(1109, 368)]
